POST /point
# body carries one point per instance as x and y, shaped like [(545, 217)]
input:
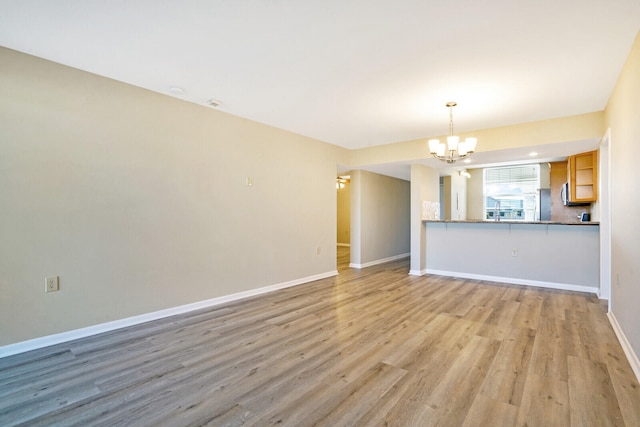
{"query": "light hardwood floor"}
[(370, 347)]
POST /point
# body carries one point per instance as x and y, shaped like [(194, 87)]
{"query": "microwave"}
[(564, 195)]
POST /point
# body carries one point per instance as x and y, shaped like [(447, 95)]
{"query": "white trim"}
[(347, 245), (516, 281), (632, 357), (417, 272), (379, 261), (604, 203), (49, 340)]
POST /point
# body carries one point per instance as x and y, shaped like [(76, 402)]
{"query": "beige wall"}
[(380, 211), (344, 214), (138, 201), (623, 117), (475, 194), (445, 197), (425, 186)]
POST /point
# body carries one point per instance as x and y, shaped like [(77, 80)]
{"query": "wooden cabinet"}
[(582, 174)]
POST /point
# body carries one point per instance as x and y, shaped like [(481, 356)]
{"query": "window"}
[(511, 192)]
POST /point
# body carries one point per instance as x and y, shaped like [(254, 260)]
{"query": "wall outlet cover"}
[(51, 284)]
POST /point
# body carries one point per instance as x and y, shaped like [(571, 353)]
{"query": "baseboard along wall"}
[(516, 281), (36, 343), (379, 261), (632, 357)]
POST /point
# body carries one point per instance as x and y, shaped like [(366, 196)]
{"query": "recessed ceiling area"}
[(513, 156), (351, 73)]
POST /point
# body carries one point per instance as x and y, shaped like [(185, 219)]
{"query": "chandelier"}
[(454, 149)]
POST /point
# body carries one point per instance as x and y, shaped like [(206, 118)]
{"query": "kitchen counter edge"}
[(479, 221)]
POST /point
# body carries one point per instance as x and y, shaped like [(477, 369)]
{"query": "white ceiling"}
[(354, 73)]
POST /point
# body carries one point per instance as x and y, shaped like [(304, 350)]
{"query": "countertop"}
[(479, 221)]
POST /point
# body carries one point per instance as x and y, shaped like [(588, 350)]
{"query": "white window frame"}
[(529, 208)]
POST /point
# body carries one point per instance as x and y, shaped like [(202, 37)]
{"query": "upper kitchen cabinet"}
[(582, 174)]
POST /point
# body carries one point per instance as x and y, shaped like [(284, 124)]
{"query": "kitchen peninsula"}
[(555, 255)]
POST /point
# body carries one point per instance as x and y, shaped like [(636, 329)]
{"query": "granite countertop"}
[(479, 221)]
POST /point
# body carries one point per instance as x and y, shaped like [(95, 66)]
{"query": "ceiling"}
[(354, 73), (520, 155)]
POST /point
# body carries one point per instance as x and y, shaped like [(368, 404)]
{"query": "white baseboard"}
[(632, 357), (517, 281), (601, 295), (49, 340), (417, 272), (344, 244), (379, 261)]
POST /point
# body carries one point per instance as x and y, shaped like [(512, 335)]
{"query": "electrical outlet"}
[(514, 252), (51, 284)]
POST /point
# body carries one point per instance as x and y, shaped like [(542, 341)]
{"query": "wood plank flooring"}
[(370, 347)]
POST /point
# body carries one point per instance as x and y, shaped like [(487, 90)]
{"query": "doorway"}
[(343, 235)]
